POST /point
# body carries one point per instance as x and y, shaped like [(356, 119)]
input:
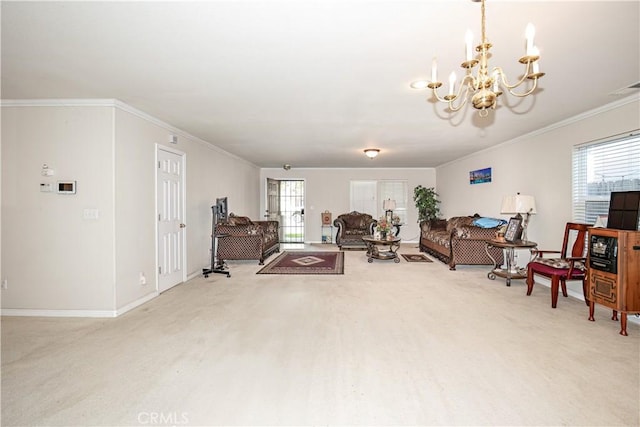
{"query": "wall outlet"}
[(143, 279), (5, 284)]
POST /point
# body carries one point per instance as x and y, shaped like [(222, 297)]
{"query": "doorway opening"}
[(285, 204)]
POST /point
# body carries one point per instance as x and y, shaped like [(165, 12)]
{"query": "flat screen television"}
[(223, 209), (624, 210)]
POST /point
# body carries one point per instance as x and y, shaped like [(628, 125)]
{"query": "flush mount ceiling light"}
[(371, 152), (484, 87)]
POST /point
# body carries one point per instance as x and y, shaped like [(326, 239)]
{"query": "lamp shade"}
[(518, 204), (389, 205)]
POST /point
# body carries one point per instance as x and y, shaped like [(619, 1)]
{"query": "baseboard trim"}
[(136, 303), (29, 312)]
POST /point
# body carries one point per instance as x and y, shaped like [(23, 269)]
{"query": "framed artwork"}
[(480, 176), (514, 230)]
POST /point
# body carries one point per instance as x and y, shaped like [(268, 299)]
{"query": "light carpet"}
[(383, 344)]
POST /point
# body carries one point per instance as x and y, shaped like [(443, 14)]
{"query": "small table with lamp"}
[(511, 269)]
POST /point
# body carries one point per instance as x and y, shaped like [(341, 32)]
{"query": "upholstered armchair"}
[(351, 227), (241, 238)]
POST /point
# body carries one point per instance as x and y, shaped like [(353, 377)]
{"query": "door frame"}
[(183, 185)]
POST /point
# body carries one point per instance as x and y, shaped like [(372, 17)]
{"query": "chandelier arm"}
[(527, 93), (503, 77), (451, 98), (462, 103)]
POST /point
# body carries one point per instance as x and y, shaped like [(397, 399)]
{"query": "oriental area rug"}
[(415, 258), (304, 262)]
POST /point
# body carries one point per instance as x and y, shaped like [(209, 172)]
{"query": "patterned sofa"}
[(241, 238), (458, 241), (351, 227)]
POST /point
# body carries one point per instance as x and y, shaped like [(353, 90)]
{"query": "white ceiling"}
[(313, 83)]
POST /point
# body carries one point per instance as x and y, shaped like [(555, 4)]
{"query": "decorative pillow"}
[(483, 222), (238, 220), (459, 221)]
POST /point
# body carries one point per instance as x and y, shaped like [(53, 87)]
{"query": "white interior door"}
[(170, 184)]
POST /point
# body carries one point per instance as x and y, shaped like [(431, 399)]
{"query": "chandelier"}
[(484, 87)]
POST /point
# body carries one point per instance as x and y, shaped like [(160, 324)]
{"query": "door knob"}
[(183, 225)]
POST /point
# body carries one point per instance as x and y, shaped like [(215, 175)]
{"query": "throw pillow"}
[(483, 222)]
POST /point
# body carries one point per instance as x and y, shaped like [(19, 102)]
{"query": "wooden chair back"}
[(578, 249)]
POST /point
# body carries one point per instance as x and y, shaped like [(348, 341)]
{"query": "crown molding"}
[(115, 103), (571, 120)]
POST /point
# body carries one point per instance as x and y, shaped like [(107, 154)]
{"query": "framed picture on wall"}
[(514, 230)]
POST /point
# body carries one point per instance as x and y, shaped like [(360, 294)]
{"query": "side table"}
[(511, 269), (327, 233)]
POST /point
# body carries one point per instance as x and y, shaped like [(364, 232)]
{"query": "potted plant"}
[(426, 200)]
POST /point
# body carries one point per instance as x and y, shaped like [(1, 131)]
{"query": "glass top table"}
[(376, 248)]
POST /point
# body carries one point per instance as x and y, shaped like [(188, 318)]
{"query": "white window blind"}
[(363, 197), (368, 196), (600, 168), (394, 190)]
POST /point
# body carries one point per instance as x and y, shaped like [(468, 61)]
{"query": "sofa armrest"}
[(470, 232)]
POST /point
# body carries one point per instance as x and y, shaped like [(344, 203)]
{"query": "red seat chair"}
[(570, 265)]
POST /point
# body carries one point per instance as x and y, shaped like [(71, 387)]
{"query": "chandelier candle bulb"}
[(530, 32), (434, 71), (452, 82), (496, 82), (469, 43)]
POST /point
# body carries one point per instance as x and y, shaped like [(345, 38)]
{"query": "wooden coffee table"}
[(374, 245)]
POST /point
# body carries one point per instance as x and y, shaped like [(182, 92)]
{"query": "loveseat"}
[(352, 227), (459, 240), (241, 238)]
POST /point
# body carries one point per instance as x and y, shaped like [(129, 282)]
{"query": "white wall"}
[(538, 164), (56, 260), (51, 256), (210, 173), (328, 189)]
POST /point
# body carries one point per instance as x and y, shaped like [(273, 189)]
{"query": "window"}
[(367, 197), (394, 190), (602, 167)]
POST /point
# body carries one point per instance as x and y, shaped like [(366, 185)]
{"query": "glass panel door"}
[(292, 211), (285, 203)]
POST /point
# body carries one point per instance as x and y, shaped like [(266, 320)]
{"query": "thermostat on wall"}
[(66, 187)]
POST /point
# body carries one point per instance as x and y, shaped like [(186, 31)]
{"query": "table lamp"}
[(389, 206), (520, 204)]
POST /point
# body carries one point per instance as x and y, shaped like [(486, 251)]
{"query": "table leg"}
[(510, 256), (393, 247), (491, 275)]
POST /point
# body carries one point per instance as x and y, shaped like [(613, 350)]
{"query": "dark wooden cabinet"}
[(614, 272)]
